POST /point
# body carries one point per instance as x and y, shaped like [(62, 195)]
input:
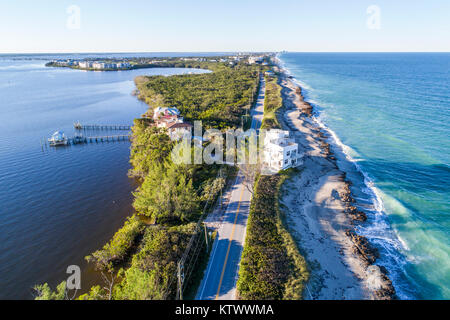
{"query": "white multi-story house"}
[(279, 152)]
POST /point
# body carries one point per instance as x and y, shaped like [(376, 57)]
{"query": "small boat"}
[(77, 125), (58, 139)]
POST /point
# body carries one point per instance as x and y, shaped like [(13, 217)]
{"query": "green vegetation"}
[(219, 98), (118, 247), (272, 103), (167, 195), (271, 265), (44, 292), (150, 146), (140, 261), (150, 275), (199, 272), (96, 293)]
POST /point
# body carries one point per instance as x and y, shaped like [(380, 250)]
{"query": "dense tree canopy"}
[(152, 268), (171, 195), (218, 99), (167, 194), (150, 146)]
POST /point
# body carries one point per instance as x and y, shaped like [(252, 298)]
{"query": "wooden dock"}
[(112, 138), (79, 126), (80, 139), (120, 137)]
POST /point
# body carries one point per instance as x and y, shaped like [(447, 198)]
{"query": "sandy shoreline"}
[(322, 213)]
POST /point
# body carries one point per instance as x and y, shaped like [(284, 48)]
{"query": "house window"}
[(288, 153), (286, 161), (294, 152)]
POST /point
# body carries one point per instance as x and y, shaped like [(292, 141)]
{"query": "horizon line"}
[(236, 51)]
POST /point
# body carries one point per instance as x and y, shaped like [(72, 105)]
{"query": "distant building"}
[(165, 117), (280, 152), (170, 119), (166, 120), (178, 130), (122, 65), (160, 112), (85, 64), (255, 59), (98, 65)]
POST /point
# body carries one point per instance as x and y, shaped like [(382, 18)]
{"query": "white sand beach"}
[(316, 202)]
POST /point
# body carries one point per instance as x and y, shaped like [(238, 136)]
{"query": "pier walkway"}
[(79, 126), (81, 139)]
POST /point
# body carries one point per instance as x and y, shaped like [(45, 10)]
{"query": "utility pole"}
[(180, 275), (206, 237), (221, 175)]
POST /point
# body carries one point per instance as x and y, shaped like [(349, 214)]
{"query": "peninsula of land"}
[(300, 238), (99, 64)]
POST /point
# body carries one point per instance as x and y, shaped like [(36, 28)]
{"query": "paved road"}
[(221, 274)]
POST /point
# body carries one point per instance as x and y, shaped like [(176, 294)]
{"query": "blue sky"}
[(245, 25)]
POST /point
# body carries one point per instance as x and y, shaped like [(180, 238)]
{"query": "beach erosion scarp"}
[(323, 213)]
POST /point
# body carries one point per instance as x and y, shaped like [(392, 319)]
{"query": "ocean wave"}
[(378, 231)]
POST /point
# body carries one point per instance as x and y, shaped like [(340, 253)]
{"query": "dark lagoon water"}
[(59, 205), (390, 113)]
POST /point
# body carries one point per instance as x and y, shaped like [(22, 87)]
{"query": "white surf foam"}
[(378, 231)]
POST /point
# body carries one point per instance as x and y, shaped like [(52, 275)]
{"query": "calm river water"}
[(59, 205)]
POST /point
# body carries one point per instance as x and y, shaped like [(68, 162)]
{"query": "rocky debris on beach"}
[(346, 197), (346, 192), (325, 146), (383, 288), (362, 247), (380, 283), (322, 135), (307, 107), (355, 214)]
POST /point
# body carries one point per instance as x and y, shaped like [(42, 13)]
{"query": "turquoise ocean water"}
[(390, 112)]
